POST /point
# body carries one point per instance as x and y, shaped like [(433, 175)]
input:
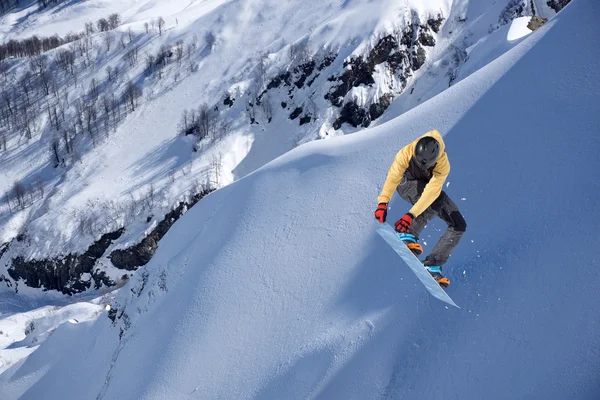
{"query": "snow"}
[(22, 333), (518, 29), (277, 285), (146, 150)]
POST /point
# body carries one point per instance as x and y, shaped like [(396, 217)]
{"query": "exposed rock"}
[(64, 273), (112, 314), (536, 22), (514, 9), (228, 101), (3, 248), (284, 77), (435, 23), (140, 254), (299, 75), (309, 83), (557, 5), (327, 61), (305, 119), (360, 73), (418, 58), (377, 109), (304, 70), (353, 114), (283, 104), (426, 39), (401, 57), (296, 113), (382, 50)]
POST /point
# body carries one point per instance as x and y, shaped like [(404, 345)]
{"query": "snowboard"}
[(390, 235)]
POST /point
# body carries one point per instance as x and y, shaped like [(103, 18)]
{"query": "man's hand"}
[(381, 212), (403, 224)]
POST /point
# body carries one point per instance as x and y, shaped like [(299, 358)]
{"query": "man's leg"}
[(411, 191), (447, 210), (442, 207)]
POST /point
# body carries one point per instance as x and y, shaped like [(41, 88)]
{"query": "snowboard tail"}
[(389, 235)]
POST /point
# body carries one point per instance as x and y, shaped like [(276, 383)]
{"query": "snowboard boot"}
[(436, 272), (410, 241)]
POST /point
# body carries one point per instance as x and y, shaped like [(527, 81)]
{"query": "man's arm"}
[(395, 174), (434, 186)]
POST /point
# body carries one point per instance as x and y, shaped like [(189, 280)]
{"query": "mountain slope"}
[(231, 48), (277, 286), (109, 173)]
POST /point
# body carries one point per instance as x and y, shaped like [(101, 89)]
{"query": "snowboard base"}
[(391, 237)]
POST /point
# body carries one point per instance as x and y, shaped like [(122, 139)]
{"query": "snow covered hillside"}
[(277, 286), (96, 162)]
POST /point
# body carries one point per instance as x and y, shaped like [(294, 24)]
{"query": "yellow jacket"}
[(401, 163)]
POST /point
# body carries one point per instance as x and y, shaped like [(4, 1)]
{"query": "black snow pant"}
[(442, 207)]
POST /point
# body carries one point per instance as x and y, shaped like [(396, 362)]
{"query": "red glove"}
[(403, 224), (381, 212)]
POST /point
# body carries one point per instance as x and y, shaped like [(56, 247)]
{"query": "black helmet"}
[(427, 152)]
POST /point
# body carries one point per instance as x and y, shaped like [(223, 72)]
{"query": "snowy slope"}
[(146, 152), (277, 286), (146, 149), (123, 180), (22, 333)]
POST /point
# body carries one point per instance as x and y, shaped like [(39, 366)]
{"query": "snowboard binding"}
[(410, 241), (436, 273)]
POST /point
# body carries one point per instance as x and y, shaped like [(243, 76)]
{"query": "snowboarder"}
[(418, 173)]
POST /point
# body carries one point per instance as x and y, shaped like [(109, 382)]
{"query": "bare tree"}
[(179, 47), (3, 140), (207, 120), (109, 73), (216, 165), (146, 27), (132, 94), (150, 63), (114, 20), (26, 85), (161, 24), (55, 150), (94, 90), (65, 59), (223, 129), (39, 183), (132, 56), (19, 192), (192, 46), (90, 115), (89, 28), (210, 40), (116, 74), (103, 25), (38, 64), (47, 81), (148, 199), (108, 40), (68, 141), (130, 34)]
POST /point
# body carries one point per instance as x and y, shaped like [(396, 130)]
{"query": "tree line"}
[(7, 5), (47, 90), (35, 45)]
